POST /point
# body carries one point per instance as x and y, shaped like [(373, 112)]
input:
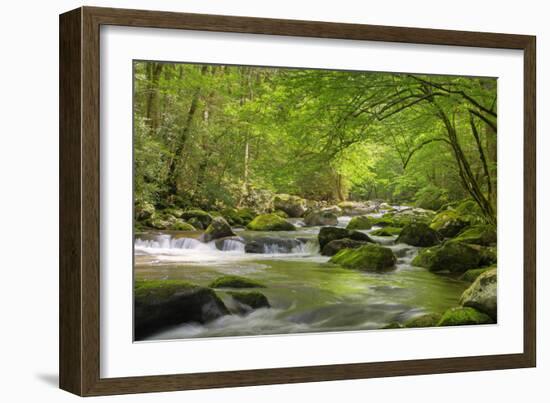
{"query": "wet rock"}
[(485, 235), (482, 294), (360, 222), (368, 257), (251, 299), (386, 231), (448, 223), (426, 320), (270, 222), (294, 206), (418, 234), (231, 281), (218, 228), (327, 234), (162, 303), (471, 275), (197, 218), (464, 316), (320, 217), (350, 208), (333, 247), (454, 257)]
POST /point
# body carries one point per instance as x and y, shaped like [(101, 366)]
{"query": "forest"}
[(228, 136), (282, 200)]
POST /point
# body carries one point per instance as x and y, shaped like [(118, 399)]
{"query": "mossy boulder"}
[(327, 234), (333, 247), (251, 299), (162, 303), (418, 234), (368, 257), (181, 225), (479, 235), (161, 221), (218, 228), (197, 218), (351, 208), (464, 316), (320, 217), (448, 223), (238, 217), (144, 211), (270, 222), (482, 294), (231, 281), (280, 213), (384, 221), (454, 257), (471, 275), (386, 231), (360, 222), (294, 206), (426, 320)]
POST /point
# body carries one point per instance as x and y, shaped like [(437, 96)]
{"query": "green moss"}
[(369, 257), (270, 222), (280, 213), (471, 275), (479, 235), (448, 223), (427, 320), (235, 282), (450, 256), (418, 234), (464, 316), (160, 288), (385, 221), (198, 218), (360, 222), (386, 231), (328, 234), (253, 299), (183, 226)]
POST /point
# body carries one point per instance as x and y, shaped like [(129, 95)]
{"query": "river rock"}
[(368, 257), (250, 300), (231, 281), (320, 217), (181, 225), (144, 211), (464, 316), (418, 234), (333, 209), (448, 223), (161, 221), (294, 206), (218, 228), (471, 275), (197, 218), (360, 222), (271, 245), (482, 294), (333, 247), (230, 243), (478, 234), (162, 303), (351, 208), (386, 231), (451, 256), (270, 222), (238, 217), (426, 320), (327, 234)]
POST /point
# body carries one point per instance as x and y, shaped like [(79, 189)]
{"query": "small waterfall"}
[(232, 245)]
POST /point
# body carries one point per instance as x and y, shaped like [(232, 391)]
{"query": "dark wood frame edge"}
[(79, 201)]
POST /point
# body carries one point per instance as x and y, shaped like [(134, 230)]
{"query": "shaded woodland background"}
[(219, 136)]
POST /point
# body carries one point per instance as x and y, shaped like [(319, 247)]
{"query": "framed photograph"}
[(249, 201)]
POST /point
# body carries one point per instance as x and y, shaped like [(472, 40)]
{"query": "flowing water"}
[(306, 293)]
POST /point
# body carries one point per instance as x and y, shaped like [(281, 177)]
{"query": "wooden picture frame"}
[(80, 184)]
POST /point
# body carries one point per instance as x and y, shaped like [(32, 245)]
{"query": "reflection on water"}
[(307, 294)]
